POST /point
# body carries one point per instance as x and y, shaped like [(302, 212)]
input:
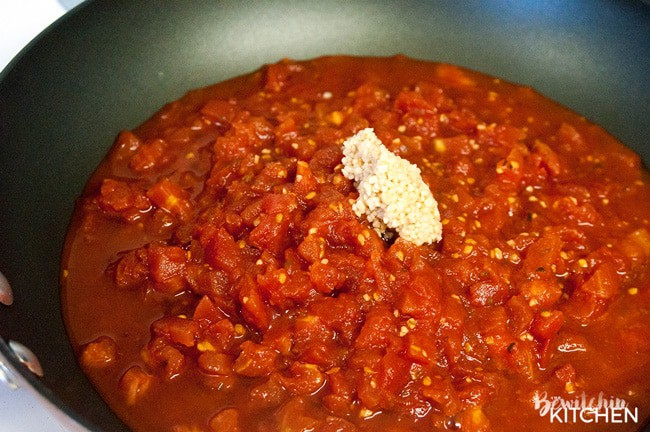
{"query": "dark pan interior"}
[(110, 64)]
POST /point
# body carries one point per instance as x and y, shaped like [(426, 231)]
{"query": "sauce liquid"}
[(215, 277)]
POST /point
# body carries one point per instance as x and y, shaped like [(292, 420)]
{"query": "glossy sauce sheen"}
[(216, 279)]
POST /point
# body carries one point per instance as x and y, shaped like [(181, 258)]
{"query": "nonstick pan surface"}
[(109, 65)]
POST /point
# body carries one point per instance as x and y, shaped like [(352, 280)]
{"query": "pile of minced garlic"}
[(392, 194)]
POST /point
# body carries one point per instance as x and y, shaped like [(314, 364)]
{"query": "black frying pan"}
[(110, 64)]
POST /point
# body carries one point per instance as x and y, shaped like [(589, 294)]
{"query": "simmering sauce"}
[(216, 278)]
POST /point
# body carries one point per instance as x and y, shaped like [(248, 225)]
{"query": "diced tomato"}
[(339, 399), (547, 324), (412, 102), (255, 360), (178, 330), (135, 384), (273, 174), (367, 393), (277, 75), (420, 347), (226, 420), (377, 329), (169, 361), (246, 134), (441, 392), (293, 416), (474, 393), (132, 270), (98, 353), (279, 203), (223, 253), (604, 283), (222, 174), (421, 297), (453, 316), (584, 306), (167, 267), (306, 182), (510, 170), (548, 159), (119, 196), (571, 140), (270, 393), (221, 335), (521, 314), (215, 363), (221, 110), (312, 248), (149, 156), (170, 197), (488, 293), (636, 245), (325, 278), (337, 424), (304, 379), (541, 293), (523, 356), (368, 97), (565, 374), (254, 309), (454, 75), (271, 234), (127, 142), (394, 375), (325, 159), (283, 289), (473, 419), (310, 329), (206, 311)]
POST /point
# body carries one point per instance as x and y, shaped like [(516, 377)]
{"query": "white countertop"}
[(20, 22)]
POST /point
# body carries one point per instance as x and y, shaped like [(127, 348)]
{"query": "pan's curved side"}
[(109, 65)]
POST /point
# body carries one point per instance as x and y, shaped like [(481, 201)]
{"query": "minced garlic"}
[(392, 194)]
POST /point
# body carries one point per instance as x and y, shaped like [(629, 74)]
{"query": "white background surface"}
[(20, 22)]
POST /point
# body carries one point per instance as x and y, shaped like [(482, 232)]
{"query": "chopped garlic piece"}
[(392, 194)]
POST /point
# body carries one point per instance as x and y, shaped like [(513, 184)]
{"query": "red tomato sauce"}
[(215, 277)]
